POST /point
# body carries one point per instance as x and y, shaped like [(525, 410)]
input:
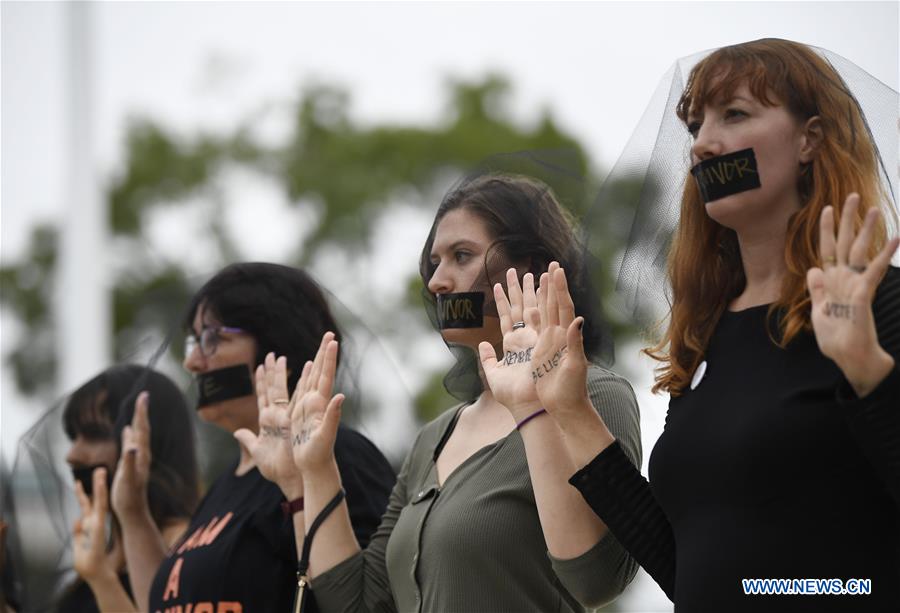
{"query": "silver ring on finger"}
[(518, 325), (858, 269), (281, 402)]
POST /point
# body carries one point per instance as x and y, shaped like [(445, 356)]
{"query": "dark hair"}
[(282, 307), (101, 408), (528, 225)]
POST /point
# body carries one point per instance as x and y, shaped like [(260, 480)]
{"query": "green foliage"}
[(353, 170), (26, 289)]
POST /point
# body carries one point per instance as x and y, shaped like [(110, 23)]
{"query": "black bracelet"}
[(303, 563)]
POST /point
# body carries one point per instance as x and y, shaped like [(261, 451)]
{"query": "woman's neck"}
[(762, 257)]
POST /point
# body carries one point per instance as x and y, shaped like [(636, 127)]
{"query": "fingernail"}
[(580, 324)]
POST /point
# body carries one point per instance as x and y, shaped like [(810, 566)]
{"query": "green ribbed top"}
[(476, 544)]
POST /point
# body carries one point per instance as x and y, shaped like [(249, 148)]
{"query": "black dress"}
[(238, 554), (770, 469)]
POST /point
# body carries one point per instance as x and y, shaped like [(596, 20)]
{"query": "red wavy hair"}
[(704, 262)]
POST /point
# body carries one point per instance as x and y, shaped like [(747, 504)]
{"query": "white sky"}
[(209, 64)]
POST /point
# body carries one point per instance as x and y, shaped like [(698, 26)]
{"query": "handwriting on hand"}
[(545, 368), (518, 357), (281, 432), (841, 311)]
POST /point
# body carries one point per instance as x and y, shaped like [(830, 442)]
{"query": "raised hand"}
[(271, 448), (316, 414), (842, 291), (91, 560), (510, 378), (560, 366), (129, 488)]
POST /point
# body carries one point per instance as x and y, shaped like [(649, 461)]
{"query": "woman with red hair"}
[(780, 457)]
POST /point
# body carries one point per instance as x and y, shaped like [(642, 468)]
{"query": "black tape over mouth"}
[(85, 475), (462, 310), (727, 174), (223, 384)]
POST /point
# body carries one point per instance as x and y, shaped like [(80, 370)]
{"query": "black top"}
[(238, 554), (771, 468)]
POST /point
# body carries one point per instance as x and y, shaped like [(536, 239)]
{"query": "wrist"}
[(134, 514), (291, 489), (319, 473), (586, 435), (866, 373), (104, 578)]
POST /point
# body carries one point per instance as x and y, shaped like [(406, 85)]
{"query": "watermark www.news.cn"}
[(807, 587)]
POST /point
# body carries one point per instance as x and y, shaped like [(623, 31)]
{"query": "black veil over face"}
[(657, 160), (529, 202)]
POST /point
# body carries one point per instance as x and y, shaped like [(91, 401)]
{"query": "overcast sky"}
[(208, 64)]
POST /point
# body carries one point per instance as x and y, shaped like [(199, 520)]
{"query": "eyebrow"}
[(453, 246), (698, 113)]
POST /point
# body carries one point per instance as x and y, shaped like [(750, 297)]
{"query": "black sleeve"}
[(622, 498), (874, 421), (367, 478)]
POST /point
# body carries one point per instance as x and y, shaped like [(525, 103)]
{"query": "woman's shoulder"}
[(600, 379), (432, 432)]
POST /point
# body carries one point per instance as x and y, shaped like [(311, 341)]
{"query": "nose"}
[(707, 144), (195, 361), (440, 282)]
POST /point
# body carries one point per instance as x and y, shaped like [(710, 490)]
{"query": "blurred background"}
[(145, 145)]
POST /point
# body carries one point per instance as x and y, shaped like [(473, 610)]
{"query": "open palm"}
[(90, 557), (316, 414), (129, 487), (560, 365), (510, 377), (843, 289), (271, 448)]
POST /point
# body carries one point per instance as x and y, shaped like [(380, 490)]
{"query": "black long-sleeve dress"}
[(771, 468)]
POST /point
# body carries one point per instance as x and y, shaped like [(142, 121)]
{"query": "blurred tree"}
[(351, 170)]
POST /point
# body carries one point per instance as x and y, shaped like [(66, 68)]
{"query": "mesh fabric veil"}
[(657, 159)]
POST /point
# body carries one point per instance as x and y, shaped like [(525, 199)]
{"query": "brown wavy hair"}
[(704, 263)]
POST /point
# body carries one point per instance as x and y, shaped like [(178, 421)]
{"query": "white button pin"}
[(698, 375)]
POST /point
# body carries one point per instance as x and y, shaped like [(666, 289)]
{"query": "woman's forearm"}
[(111, 597), (570, 526), (145, 550), (334, 541)]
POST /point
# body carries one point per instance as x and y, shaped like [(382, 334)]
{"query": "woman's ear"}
[(811, 136)]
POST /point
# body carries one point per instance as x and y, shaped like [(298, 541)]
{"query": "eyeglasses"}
[(209, 340)]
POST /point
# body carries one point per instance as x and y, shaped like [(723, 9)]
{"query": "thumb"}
[(487, 354), (332, 417), (575, 339), (815, 283), (127, 464), (246, 438)]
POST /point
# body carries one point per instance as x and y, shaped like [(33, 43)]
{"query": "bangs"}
[(87, 414), (715, 80)]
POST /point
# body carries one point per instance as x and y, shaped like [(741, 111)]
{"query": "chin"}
[(472, 337), (731, 211), (228, 413)]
